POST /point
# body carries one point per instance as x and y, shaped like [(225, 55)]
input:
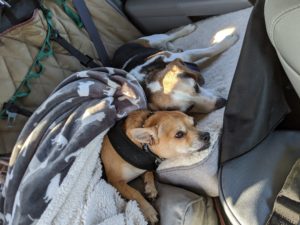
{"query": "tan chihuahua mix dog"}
[(168, 134)]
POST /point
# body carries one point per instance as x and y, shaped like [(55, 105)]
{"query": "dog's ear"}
[(195, 74), (145, 135), (152, 68), (188, 70)]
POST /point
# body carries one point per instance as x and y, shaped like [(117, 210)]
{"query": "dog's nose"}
[(221, 102), (205, 136)]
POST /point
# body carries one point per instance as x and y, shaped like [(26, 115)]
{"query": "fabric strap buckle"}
[(11, 117), (87, 61), (146, 149), (84, 59)]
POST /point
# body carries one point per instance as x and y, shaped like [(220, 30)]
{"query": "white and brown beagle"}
[(169, 76)]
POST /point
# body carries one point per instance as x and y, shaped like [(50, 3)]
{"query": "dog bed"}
[(198, 172)]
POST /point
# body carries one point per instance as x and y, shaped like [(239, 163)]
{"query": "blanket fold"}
[(55, 171)]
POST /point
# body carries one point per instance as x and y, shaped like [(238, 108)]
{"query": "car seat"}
[(252, 177)]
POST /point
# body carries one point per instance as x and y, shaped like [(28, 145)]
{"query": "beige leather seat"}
[(282, 19), (250, 183)]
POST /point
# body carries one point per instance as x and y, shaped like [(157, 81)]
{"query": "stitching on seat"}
[(279, 17), (34, 14), (287, 64), (9, 72), (189, 204), (223, 198), (275, 43), (64, 30), (71, 36)]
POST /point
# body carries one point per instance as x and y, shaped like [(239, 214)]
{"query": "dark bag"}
[(22, 11), (256, 103)]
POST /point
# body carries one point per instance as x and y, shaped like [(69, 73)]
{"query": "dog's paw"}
[(231, 39), (171, 47), (150, 191), (189, 28), (150, 214)]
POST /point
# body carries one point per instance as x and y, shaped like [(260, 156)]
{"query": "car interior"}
[(250, 174)]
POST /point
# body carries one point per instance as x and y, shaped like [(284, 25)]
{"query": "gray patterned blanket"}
[(55, 172)]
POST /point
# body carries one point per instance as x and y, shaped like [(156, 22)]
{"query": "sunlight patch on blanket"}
[(98, 116), (92, 109)]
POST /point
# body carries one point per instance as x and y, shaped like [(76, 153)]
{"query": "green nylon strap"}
[(37, 68), (70, 12)]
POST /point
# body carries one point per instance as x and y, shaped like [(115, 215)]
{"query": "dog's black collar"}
[(143, 158), (192, 66)]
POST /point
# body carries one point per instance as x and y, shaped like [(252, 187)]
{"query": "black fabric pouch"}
[(256, 103), (19, 11)]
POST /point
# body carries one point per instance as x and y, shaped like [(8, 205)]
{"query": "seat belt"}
[(286, 208), (90, 27), (85, 60)]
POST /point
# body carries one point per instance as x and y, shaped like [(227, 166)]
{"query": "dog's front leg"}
[(132, 194), (150, 189)]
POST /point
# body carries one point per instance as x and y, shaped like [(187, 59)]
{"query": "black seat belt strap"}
[(85, 60), (92, 30)]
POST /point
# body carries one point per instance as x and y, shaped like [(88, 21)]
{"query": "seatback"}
[(282, 23), (256, 159), (20, 44)]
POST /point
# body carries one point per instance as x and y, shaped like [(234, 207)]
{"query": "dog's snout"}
[(205, 136), (221, 102)]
